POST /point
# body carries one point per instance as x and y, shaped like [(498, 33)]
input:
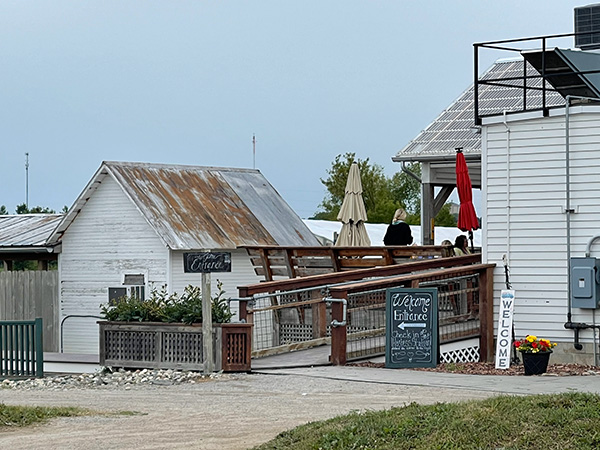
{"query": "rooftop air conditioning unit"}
[(587, 21)]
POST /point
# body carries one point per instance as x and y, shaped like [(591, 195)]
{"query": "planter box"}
[(150, 345)]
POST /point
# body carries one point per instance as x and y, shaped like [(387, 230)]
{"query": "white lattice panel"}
[(460, 352), (295, 332)]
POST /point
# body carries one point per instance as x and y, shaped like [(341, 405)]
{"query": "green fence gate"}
[(21, 349)]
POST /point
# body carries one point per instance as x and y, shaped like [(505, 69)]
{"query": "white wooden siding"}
[(536, 236), (107, 239), (242, 273)]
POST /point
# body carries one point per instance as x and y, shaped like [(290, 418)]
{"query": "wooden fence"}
[(25, 295)]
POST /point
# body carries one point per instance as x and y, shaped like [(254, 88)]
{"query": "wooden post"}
[(319, 317), (486, 315), (207, 343), (427, 209)]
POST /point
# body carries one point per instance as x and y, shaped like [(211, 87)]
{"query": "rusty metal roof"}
[(195, 207), (27, 230)]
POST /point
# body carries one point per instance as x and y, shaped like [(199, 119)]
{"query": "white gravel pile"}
[(106, 378)]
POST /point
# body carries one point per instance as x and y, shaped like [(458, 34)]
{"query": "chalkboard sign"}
[(206, 262), (411, 328)]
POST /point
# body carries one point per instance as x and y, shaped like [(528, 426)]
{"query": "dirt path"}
[(227, 413)]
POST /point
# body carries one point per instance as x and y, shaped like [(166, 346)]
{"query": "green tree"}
[(382, 195), (22, 209), (3, 211), (444, 218), (406, 190), (379, 203)]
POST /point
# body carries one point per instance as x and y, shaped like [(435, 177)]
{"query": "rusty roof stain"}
[(27, 230), (196, 207)]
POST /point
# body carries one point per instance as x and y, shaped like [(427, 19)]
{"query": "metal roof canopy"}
[(570, 72), (23, 238), (435, 147), (28, 231)]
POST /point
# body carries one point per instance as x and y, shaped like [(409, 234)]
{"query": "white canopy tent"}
[(326, 229)]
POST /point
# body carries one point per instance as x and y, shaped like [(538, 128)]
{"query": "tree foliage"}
[(444, 218), (382, 195), (23, 209)]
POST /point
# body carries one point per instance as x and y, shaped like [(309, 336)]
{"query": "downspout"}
[(407, 171), (568, 203), (507, 188), (576, 327)]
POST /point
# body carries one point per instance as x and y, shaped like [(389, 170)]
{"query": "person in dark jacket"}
[(398, 233)]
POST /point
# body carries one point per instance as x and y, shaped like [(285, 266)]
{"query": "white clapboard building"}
[(133, 222), (537, 154)]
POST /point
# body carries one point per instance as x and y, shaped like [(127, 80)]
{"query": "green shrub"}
[(168, 308)]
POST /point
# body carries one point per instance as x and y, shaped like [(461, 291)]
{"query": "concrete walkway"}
[(499, 384), (314, 363)]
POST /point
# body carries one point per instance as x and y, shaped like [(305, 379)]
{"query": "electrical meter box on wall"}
[(585, 282)]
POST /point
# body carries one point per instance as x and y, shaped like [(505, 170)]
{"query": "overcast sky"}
[(190, 82)]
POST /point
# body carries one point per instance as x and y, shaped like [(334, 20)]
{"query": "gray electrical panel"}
[(585, 282)]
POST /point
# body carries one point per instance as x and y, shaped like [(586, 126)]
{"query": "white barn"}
[(133, 221)]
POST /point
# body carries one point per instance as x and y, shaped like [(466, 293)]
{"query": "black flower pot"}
[(535, 363)]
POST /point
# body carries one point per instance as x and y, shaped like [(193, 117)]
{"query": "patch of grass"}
[(20, 416), (557, 421)]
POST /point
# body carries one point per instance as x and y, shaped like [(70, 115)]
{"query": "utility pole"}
[(253, 151), (27, 180)]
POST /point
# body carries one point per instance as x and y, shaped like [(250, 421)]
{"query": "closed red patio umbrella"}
[(467, 218)]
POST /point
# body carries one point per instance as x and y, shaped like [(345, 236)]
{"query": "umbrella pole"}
[(471, 239)]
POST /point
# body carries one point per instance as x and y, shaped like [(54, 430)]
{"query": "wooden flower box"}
[(153, 345)]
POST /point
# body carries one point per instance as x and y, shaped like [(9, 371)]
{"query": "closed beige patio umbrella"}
[(353, 213)]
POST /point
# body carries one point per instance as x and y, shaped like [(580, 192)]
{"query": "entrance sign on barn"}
[(207, 262), (505, 320), (411, 328)]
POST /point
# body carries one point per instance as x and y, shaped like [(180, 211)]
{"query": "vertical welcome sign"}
[(505, 321)]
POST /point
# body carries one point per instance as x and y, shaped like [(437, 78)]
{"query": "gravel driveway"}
[(229, 412)]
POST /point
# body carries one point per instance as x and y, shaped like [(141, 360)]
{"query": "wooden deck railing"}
[(463, 277), (414, 265), (485, 305), (291, 262)]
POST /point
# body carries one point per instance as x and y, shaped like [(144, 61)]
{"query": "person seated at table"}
[(461, 246), (398, 232), (448, 248)]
